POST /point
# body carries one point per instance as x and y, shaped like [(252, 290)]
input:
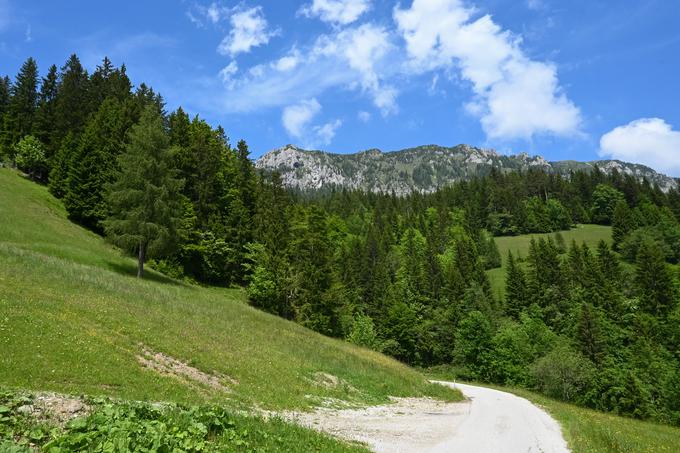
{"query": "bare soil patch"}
[(170, 366), (405, 425)]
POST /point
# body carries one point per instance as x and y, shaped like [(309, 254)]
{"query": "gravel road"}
[(488, 421)]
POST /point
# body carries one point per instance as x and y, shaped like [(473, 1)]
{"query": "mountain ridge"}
[(423, 168)]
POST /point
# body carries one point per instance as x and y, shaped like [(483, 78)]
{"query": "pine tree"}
[(516, 292), (654, 281), (18, 122), (145, 200)]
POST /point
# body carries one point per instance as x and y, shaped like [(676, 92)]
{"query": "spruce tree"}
[(93, 164), (45, 116), (589, 333), (61, 165), (72, 107), (145, 201), (18, 122), (179, 125), (622, 223), (516, 292), (654, 281), (5, 85)]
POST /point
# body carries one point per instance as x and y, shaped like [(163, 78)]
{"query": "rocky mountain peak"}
[(423, 168)]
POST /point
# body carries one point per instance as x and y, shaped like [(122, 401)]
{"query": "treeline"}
[(406, 276), (71, 129), (402, 275)]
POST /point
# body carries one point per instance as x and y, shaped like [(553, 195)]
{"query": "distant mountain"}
[(422, 169)]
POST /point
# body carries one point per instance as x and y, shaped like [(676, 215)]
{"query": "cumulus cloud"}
[(249, 29), (362, 48), (514, 97), (297, 121), (649, 141), (337, 12)]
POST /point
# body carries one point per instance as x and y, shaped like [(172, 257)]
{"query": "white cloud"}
[(213, 13), (515, 97), (297, 117), (227, 73), (287, 62), (338, 12), (249, 29), (297, 121), (194, 20), (362, 48), (364, 116), (350, 59), (649, 141), (325, 133)]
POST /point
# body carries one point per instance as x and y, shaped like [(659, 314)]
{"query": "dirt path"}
[(489, 421)]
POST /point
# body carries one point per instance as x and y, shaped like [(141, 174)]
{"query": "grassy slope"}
[(519, 245), (73, 319), (590, 431)]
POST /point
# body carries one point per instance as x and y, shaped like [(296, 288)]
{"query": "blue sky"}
[(582, 79)]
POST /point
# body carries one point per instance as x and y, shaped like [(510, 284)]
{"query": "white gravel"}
[(488, 421)]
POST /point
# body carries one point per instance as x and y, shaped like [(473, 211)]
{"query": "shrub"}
[(562, 373), (29, 155)]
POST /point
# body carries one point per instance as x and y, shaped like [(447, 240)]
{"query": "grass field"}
[(74, 319), (590, 431), (519, 246)]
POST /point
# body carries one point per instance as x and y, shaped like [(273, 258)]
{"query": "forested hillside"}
[(598, 326)]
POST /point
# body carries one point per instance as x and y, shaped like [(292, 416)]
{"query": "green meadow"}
[(519, 246), (75, 320)]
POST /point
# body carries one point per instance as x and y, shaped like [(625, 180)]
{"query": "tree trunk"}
[(140, 259)]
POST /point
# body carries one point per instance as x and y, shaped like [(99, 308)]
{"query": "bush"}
[(563, 373), (29, 155), (363, 333)]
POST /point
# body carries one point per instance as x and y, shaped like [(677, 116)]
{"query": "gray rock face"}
[(421, 169)]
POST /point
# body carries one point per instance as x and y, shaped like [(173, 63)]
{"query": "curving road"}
[(489, 421), (501, 422)]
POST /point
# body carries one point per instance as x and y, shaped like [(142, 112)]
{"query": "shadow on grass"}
[(149, 274)]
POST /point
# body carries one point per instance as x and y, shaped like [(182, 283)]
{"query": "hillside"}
[(75, 320), (519, 246), (422, 169)]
